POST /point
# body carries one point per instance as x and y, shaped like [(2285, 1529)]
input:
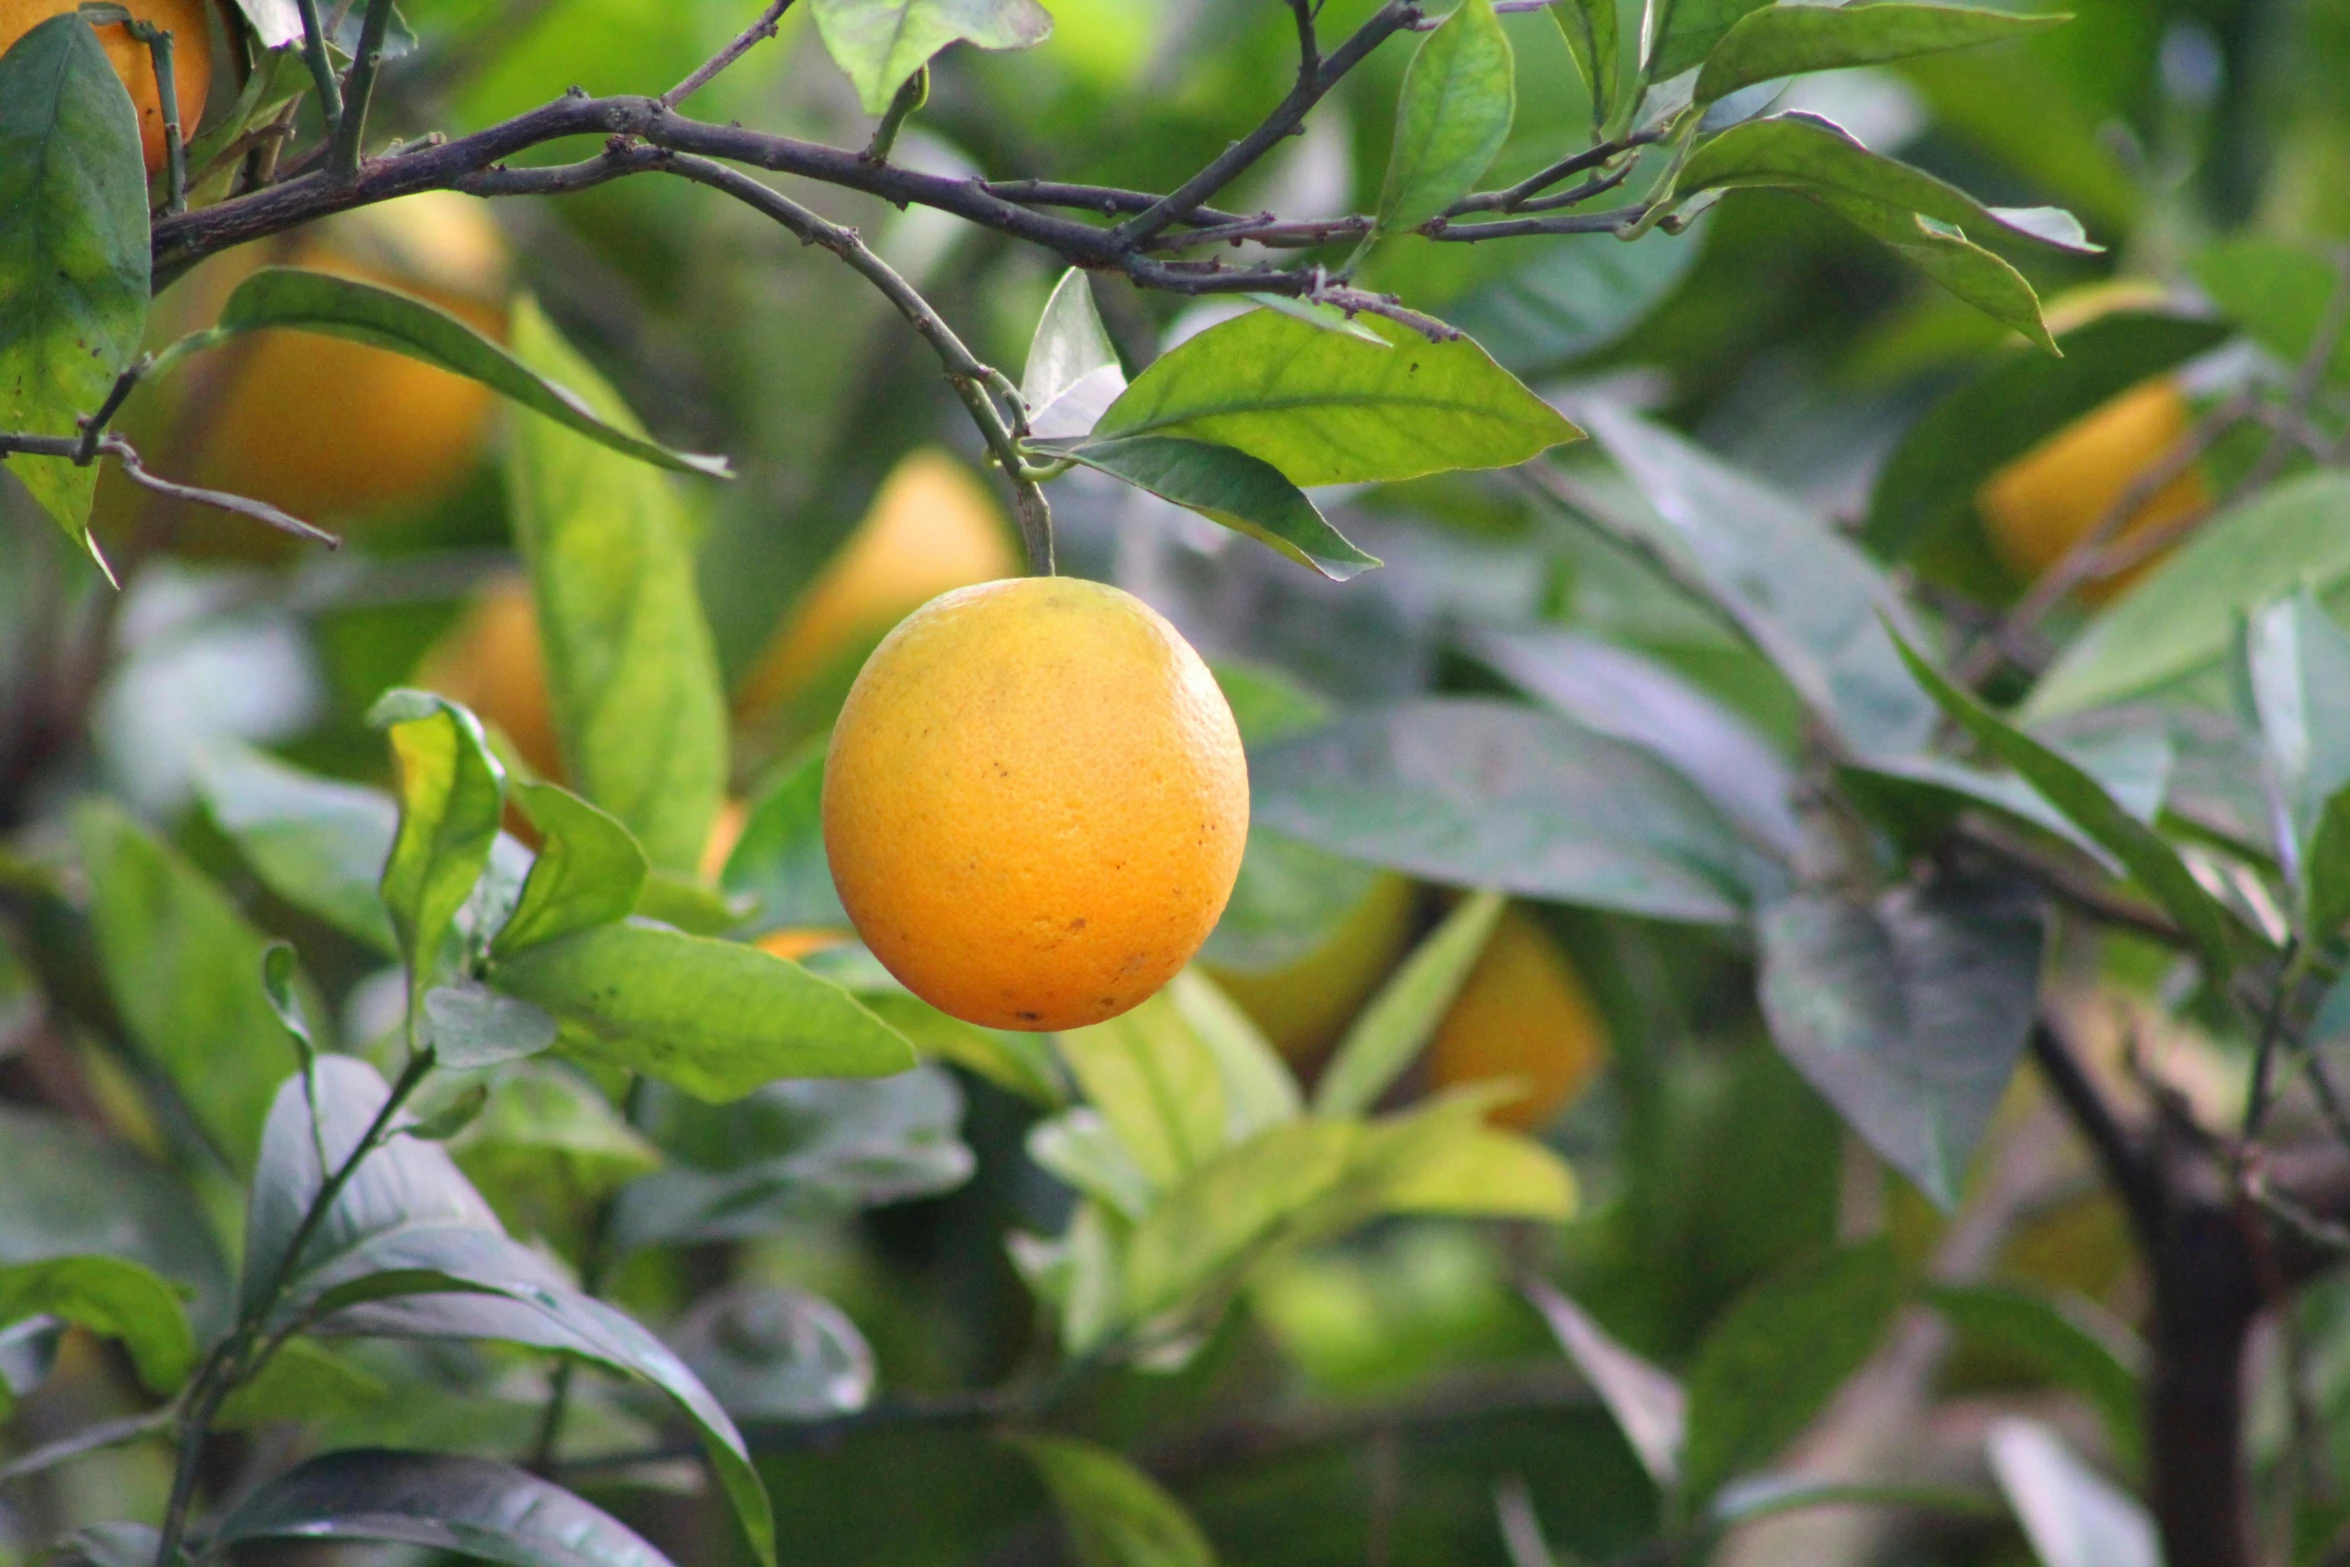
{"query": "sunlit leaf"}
[(1459, 95), (1117, 1516), (880, 43), (113, 1298), (1784, 40), (1229, 486)]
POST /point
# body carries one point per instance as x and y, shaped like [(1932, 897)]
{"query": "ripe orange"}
[(931, 528), (329, 429), (491, 661), (1522, 1013), (2046, 501), (1305, 1006), (190, 24), (1034, 802)]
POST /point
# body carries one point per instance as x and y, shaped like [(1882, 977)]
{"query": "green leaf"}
[(1781, 41), (589, 870), (1797, 151), (317, 843), (1677, 34), (1258, 1089), (713, 1017), (1946, 255), (2297, 673), (1648, 1405), (1771, 1361), (1908, 1013), (778, 1354), (1480, 1171), (1590, 27), (1575, 294), (879, 43), (71, 1192), (287, 299), (300, 1382), (1229, 486), (73, 253), (1078, 1148), (1156, 1083), (1291, 900), (2098, 1360), (1204, 1231), (1459, 95), (631, 670), (1117, 1516), (792, 1150), (544, 1142), (114, 1299), (452, 797), (2276, 291), (1328, 408), (2151, 862), (1403, 1016), (2182, 619), (471, 1507), (1475, 792), (470, 1025), (1018, 1063), (1803, 595), (2073, 1516), (779, 862), (2014, 404), (184, 970), (1072, 372)]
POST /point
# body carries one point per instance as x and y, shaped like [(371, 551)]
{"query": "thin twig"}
[(1429, 24), (743, 43), (322, 67), (127, 458), (1517, 197), (351, 128)]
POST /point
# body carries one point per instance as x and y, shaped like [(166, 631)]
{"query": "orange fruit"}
[(328, 429), (1034, 802), (190, 24), (726, 830), (931, 528), (1303, 1007), (1522, 1013), (2046, 501), (797, 944), (491, 661)]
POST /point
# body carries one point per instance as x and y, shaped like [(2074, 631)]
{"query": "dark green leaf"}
[(439, 1502), (1402, 1017), (184, 970), (73, 1193), (280, 978), (317, 843), (1908, 1014), (2153, 863), (775, 1353), (779, 859), (1771, 1361), (713, 1017), (286, 299), (1786, 40), (1117, 1516), (2012, 406), (1807, 598), (792, 1150), (2097, 1360), (1649, 1406), (73, 252), (2073, 1516), (470, 1025), (589, 870), (1677, 34), (879, 43), (545, 1141), (2278, 292), (114, 1299), (1591, 28), (1944, 253), (300, 1382), (1459, 96), (113, 1545), (1328, 408), (1479, 793), (1290, 900), (2183, 618), (631, 670), (1576, 294), (1229, 486), (452, 797)]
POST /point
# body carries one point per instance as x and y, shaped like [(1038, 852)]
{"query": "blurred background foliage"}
[(1363, 1406)]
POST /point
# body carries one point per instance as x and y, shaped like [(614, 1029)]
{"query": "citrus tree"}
[(1763, 987)]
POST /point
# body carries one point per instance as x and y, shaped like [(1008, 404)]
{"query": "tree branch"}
[(744, 42), (71, 447)]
